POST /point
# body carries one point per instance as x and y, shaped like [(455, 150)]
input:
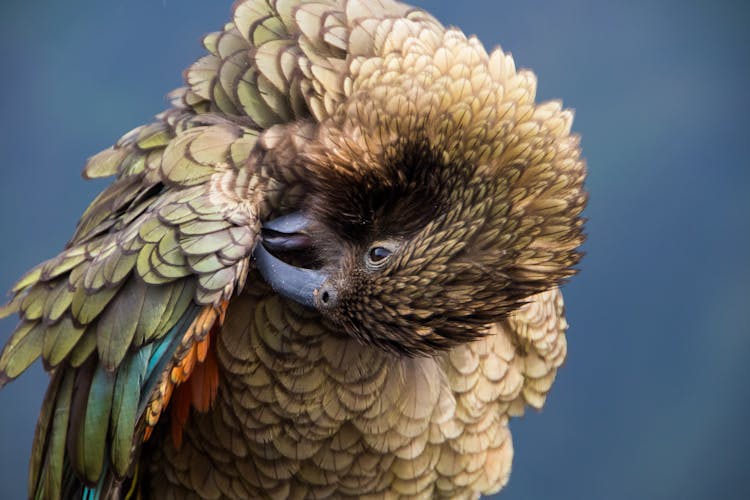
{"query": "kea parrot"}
[(330, 268)]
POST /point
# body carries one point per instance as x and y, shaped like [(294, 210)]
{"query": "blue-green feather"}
[(136, 379)]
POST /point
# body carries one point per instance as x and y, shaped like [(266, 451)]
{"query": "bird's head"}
[(438, 197)]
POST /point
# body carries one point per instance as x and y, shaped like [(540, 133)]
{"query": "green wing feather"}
[(47, 454), (87, 439), (131, 377)]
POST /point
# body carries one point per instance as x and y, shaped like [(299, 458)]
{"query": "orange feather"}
[(194, 378)]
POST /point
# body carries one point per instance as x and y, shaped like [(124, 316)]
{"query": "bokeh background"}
[(654, 401)]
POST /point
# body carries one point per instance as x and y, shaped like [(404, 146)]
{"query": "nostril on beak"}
[(326, 296)]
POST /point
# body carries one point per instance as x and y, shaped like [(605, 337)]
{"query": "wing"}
[(137, 290), (125, 312)]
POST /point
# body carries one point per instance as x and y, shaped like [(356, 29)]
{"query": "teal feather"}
[(160, 348), (126, 397), (91, 437), (94, 493), (87, 433), (162, 354), (130, 378)]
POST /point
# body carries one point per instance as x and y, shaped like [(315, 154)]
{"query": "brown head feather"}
[(440, 153)]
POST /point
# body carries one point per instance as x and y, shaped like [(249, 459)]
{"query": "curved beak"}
[(288, 234)]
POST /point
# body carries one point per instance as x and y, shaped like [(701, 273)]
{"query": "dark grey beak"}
[(288, 234)]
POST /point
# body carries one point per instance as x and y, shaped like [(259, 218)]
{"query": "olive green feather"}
[(180, 298), (59, 339), (127, 393), (41, 435), (57, 301), (84, 348), (88, 444), (86, 307), (24, 346), (54, 459), (117, 325), (156, 302)]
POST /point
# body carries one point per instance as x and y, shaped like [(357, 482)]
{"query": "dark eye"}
[(377, 255)]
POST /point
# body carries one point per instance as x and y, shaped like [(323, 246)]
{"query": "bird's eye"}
[(377, 255)]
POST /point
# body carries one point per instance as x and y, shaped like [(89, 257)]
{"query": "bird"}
[(330, 268)]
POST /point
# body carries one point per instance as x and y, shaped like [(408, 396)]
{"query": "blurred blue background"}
[(654, 401)]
